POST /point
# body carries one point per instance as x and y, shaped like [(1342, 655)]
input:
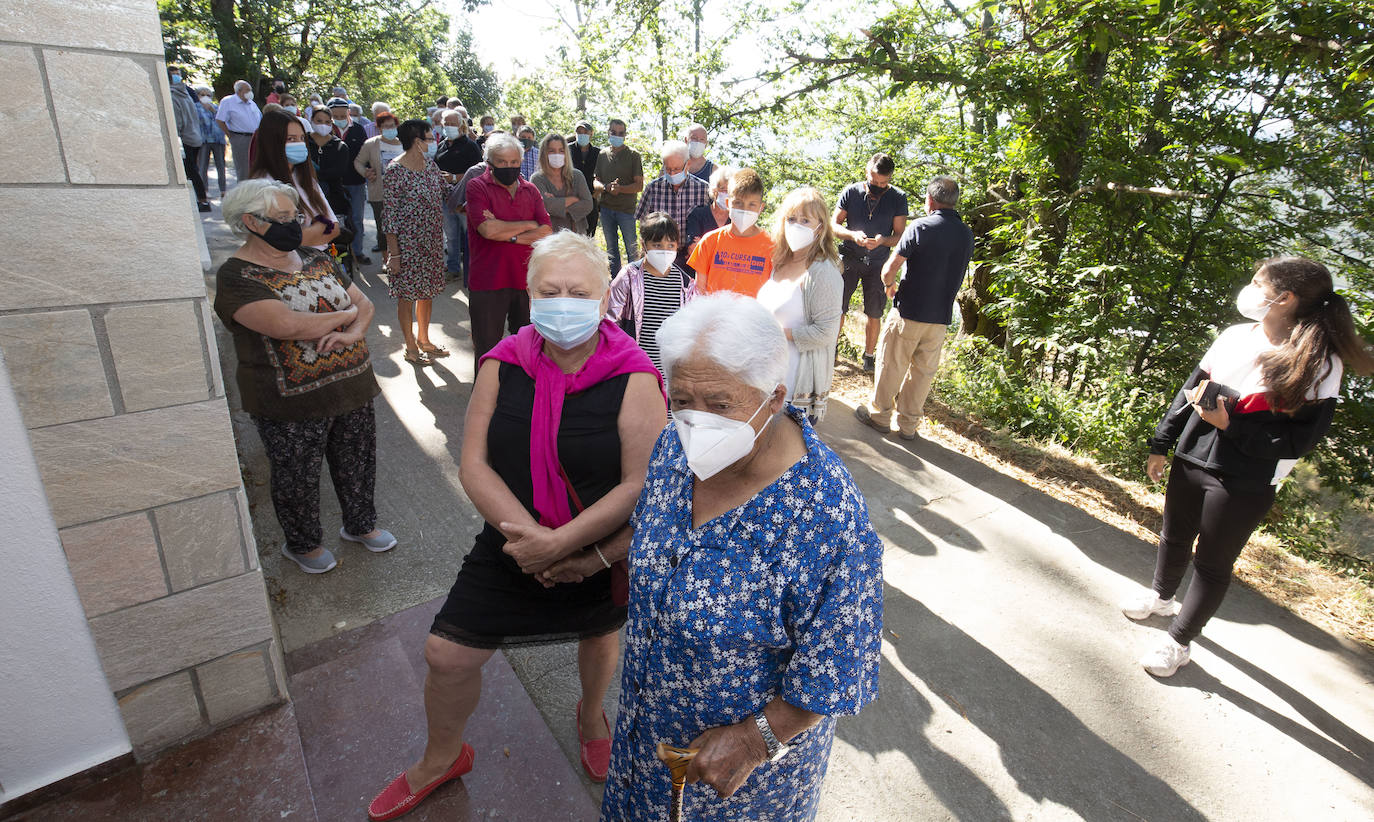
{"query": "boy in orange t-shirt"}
[(737, 257)]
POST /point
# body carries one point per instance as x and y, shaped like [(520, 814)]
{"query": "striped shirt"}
[(662, 297)]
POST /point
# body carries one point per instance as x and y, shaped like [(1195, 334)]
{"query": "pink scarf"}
[(616, 353)]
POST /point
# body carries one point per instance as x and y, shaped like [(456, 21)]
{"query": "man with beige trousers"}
[(936, 250)]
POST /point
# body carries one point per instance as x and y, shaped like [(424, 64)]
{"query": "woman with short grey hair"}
[(303, 370), (756, 595), (559, 428)]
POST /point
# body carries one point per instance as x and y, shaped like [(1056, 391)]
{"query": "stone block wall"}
[(105, 328)]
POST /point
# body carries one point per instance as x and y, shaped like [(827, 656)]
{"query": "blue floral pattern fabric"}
[(781, 596)]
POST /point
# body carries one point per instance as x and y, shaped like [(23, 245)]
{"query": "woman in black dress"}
[(570, 399)]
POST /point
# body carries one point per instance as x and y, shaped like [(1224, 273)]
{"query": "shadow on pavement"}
[(1044, 747)]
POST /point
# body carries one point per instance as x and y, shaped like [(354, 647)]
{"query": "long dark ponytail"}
[(1322, 327)]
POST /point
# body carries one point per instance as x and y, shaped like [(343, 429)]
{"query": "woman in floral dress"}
[(414, 193), (756, 587)]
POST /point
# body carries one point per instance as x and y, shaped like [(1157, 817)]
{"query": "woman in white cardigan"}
[(804, 295)]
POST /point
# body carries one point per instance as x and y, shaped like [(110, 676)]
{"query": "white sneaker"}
[(1167, 658), (1148, 604)]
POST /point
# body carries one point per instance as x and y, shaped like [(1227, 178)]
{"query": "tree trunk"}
[(234, 64)]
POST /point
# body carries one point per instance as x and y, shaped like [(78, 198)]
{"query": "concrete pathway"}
[(1009, 683)]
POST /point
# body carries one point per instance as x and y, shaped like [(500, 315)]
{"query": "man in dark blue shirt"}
[(936, 250), (869, 217)]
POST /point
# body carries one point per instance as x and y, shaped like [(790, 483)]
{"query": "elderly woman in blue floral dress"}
[(756, 586)]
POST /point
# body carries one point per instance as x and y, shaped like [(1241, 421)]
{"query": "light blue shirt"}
[(238, 114)]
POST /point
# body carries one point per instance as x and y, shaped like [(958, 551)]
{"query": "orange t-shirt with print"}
[(725, 261)]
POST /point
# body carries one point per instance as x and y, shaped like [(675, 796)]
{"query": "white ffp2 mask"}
[(712, 442)]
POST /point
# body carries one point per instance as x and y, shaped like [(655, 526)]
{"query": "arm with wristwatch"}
[(727, 754)]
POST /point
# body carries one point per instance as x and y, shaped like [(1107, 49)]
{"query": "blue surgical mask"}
[(584, 139), (341, 124), (297, 153), (566, 322), (616, 140), (452, 132), (389, 133), (429, 148), (676, 179), (176, 78)]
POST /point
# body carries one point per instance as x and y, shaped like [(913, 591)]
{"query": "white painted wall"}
[(57, 715)]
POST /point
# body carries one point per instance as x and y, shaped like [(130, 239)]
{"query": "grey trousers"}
[(238, 150)]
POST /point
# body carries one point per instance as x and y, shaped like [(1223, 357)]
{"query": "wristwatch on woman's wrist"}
[(776, 750)]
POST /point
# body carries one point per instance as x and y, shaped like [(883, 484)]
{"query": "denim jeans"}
[(357, 202), (453, 232), (611, 222)]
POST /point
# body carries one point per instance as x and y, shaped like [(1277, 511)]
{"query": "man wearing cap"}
[(354, 135), (238, 117), (584, 156)]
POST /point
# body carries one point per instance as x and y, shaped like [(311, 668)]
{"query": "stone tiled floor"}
[(356, 719)]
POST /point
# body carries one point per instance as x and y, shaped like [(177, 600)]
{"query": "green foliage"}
[(391, 50)]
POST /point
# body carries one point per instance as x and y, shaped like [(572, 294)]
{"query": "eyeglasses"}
[(299, 218)]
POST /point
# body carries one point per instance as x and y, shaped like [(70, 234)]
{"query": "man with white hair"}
[(506, 215), (238, 117), (371, 127), (697, 164), (675, 192)]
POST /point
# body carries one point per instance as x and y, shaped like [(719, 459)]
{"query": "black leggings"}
[(1198, 505)]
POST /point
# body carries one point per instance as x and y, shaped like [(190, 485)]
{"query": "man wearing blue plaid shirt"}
[(675, 192)]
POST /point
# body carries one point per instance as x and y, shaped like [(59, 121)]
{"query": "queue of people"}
[(636, 466)]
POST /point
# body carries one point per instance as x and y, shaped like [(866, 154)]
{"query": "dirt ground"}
[(1321, 596)]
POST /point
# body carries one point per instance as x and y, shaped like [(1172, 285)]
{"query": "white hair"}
[(688, 129), (455, 113), (722, 173), (253, 197), (674, 148), (379, 106), (498, 143), (735, 332), (567, 248), (238, 83)]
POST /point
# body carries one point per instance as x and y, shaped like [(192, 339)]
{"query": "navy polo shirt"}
[(871, 216), (937, 249)]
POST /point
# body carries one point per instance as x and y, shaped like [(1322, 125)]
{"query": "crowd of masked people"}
[(641, 435)]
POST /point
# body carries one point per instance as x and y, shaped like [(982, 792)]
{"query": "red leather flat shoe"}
[(397, 800), (596, 753)]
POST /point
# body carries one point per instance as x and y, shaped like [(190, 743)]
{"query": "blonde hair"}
[(554, 174), (810, 203), (565, 248)]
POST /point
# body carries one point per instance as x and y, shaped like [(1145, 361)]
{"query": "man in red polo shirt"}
[(505, 216)]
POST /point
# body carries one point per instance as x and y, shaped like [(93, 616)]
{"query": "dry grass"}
[(1338, 603)]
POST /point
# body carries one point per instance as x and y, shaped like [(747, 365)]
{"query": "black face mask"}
[(505, 176), (281, 236)]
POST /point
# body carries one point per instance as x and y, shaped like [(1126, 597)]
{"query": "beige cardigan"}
[(370, 156), (822, 290)]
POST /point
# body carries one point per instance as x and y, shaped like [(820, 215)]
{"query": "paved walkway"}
[(1009, 683)]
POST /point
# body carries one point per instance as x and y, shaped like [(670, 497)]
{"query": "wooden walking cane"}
[(677, 760)]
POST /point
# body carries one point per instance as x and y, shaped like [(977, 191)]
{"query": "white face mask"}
[(1252, 304), (205, 98), (798, 236), (743, 218), (322, 128), (659, 259), (248, 96), (722, 201), (557, 160), (291, 109), (712, 442), (696, 148)]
